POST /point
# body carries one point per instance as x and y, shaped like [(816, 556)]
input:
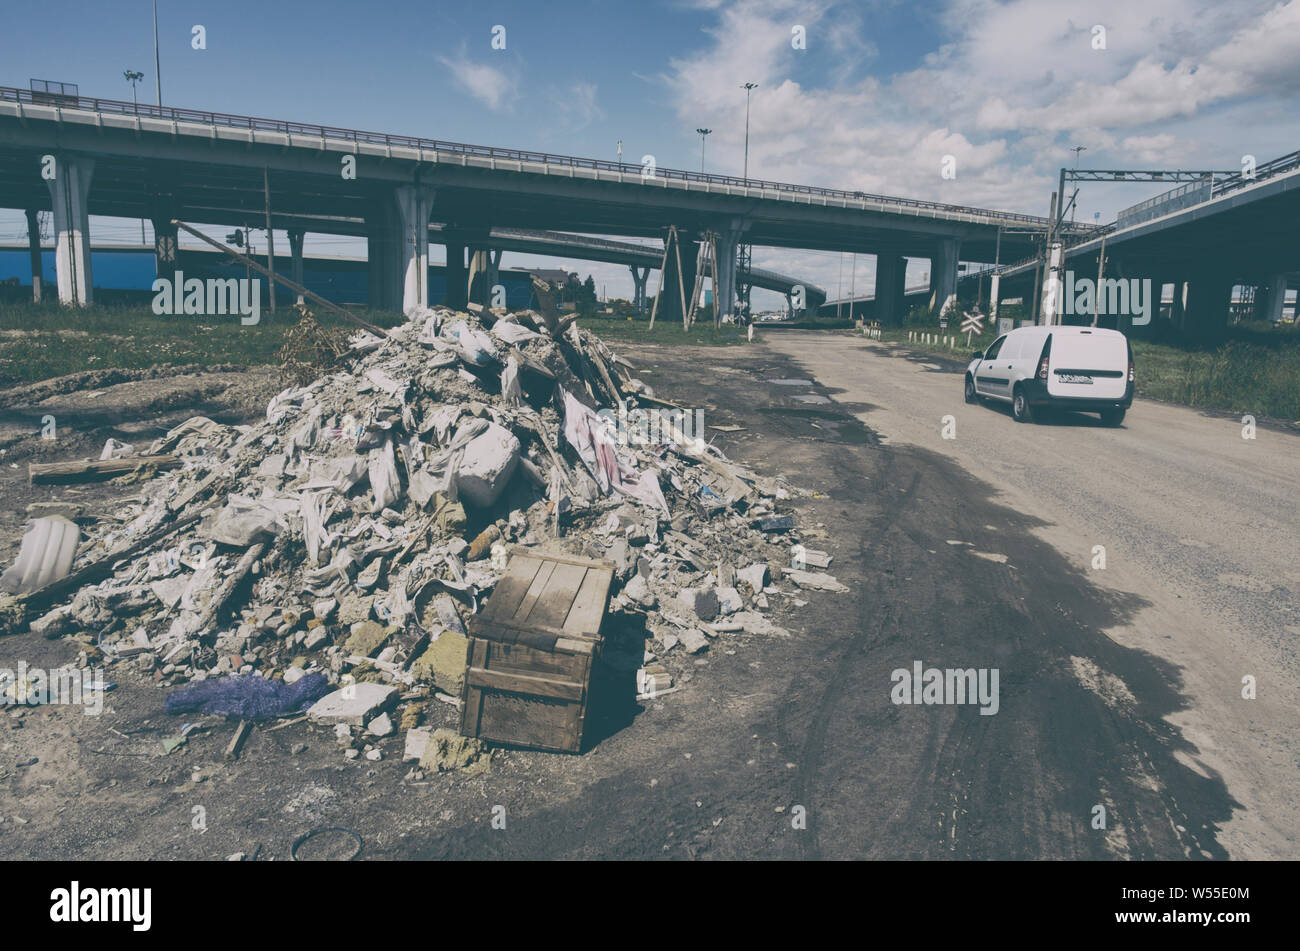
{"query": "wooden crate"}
[(532, 650)]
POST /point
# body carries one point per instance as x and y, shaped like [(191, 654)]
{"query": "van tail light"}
[(1042, 360), (1130, 371)]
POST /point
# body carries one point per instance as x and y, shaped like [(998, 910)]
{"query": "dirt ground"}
[(763, 733)]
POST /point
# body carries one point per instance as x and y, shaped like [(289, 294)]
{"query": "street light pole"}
[(749, 88), (703, 133), (157, 69)]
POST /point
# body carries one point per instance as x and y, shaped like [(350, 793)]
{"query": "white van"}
[(1075, 368)]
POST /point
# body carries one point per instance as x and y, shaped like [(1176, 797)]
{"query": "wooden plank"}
[(522, 684), (553, 606), (546, 638), (590, 602), (534, 592), (560, 557), (511, 589), (64, 473)]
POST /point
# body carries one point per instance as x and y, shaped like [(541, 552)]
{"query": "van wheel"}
[(971, 395), (1112, 417), (1020, 408)]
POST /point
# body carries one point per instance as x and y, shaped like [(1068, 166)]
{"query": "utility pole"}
[(157, 68), (703, 133)]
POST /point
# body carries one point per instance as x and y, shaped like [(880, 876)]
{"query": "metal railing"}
[(230, 120), (1278, 166)]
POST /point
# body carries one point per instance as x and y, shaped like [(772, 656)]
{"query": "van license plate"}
[(1072, 378)]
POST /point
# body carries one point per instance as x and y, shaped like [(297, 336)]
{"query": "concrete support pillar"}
[(1208, 300), (414, 204), (640, 275), (34, 252), (68, 193), (891, 277), (479, 282), (457, 296), (383, 273), (166, 248), (295, 258), (494, 277), (943, 276), (724, 295), (1274, 298), (1178, 309)]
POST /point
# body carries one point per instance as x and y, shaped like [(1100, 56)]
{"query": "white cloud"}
[(489, 85)]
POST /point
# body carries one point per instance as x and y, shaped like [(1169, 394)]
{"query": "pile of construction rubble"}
[(356, 529)]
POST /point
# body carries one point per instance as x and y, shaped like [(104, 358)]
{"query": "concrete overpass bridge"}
[(117, 158), (640, 258), (1244, 231)]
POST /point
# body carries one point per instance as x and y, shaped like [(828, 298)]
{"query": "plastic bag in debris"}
[(49, 546), (248, 697), (475, 345), (511, 332), (241, 521), (510, 390), (595, 444), (383, 476)]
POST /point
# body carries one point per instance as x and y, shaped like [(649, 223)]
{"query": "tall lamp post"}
[(157, 69), (133, 77), (703, 133), (745, 253), (749, 88)]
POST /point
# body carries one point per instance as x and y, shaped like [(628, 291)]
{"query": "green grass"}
[(619, 329), (39, 341), (1258, 372)]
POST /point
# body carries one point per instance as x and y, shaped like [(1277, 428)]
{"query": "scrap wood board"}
[(531, 651)]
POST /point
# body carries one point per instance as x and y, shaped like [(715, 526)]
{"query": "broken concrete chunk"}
[(381, 725), (488, 463), (754, 575), (816, 580), (704, 604), (694, 641), (417, 740), (354, 705), (729, 600), (367, 638)]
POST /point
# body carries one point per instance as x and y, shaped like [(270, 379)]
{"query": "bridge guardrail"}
[(231, 120)]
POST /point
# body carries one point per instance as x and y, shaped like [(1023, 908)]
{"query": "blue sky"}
[(881, 93)]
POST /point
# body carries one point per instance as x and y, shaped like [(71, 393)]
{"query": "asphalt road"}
[(1200, 531)]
